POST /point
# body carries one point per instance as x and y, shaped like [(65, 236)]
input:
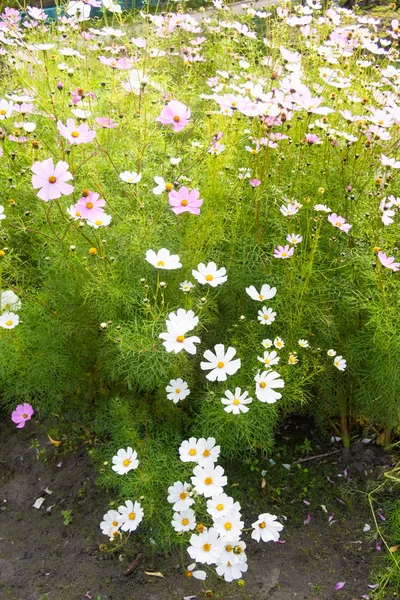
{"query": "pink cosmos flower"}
[(388, 262), (51, 179), (79, 94), (255, 183), (175, 114), (21, 414), (89, 206), (80, 134), (311, 138), (339, 222), (106, 123), (183, 200), (283, 252), (122, 64)]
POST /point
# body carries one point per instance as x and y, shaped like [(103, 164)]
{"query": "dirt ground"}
[(41, 558)]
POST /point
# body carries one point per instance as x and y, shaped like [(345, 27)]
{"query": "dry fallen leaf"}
[(157, 574), (393, 549), (263, 483), (54, 442)]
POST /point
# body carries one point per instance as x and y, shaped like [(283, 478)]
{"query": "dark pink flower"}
[(184, 200), (51, 179), (175, 114), (21, 414)]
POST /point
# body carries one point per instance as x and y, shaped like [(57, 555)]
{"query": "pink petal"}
[(339, 585)]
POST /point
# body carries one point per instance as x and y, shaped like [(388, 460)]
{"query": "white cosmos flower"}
[(209, 481), (111, 523), (2, 215), (236, 403), (220, 505), (183, 318), (130, 177), (230, 571), (189, 450), (230, 525), (186, 286), (279, 343), (266, 528), (175, 339), (100, 221), (163, 259), (340, 363), (177, 390), (293, 360), (266, 292), (220, 363), (190, 572), (9, 320), (294, 238), (206, 547), (125, 461), (208, 452), (178, 495), (131, 515), (267, 343), (233, 552), (266, 316), (9, 300), (162, 186), (184, 520), (270, 358), (210, 274), (6, 109), (303, 343), (322, 208), (266, 382), (331, 352)]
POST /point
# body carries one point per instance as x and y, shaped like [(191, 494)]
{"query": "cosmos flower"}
[(210, 274), (206, 547), (111, 523), (51, 179), (266, 316), (130, 177), (266, 528), (9, 301), (283, 252), (89, 206), (177, 390), (266, 383), (191, 571), (266, 292), (388, 261), (184, 200), (176, 114), (209, 480), (76, 134), (184, 520), (9, 320), (236, 403), (340, 363), (163, 259), (179, 496), (22, 414), (339, 222), (220, 363), (125, 461), (131, 515)]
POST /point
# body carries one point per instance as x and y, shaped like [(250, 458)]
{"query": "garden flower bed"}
[(200, 238)]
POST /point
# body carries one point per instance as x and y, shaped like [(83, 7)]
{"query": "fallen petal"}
[(339, 585)]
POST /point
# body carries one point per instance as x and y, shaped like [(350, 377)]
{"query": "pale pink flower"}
[(76, 134), (106, 123), (51, 179), (90, 206), (121, 63), (176, 114), (21, 414), (283, 251), (339, 222), (183, 200), (388, 261)]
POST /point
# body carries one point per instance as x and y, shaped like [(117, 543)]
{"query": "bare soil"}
[(41, 558)]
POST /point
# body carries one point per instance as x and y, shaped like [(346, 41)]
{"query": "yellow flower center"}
[(52, 179), (183, 495), (160, 263), (3, 112), (180, 338), (380, 122), (338, 224), (263, 384), (266, 317), (236, 402), (200, 527), (228, 526), (9, 322), (89, 204), (220, 365), (184, 203), (220, 507), (115, 523), (98, 222), (228, 548), (169, 187), (266, 361), (177, 119), (74, 134), (209, 277), (192, 452), (24, 416), (185, 522), (206, 547), (263, 525), (284, 253), (206, 453), (260, 296), (126, 462), (189, 574), (132, 516), (208, 480), (177, 391)]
